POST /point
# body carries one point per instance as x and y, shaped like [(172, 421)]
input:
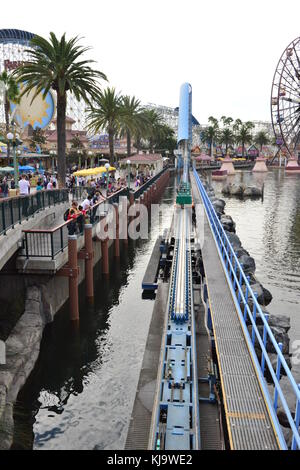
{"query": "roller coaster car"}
[(184, 196)]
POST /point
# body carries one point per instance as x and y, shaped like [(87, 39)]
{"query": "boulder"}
[(280, 321), (280, 335), (248, 263), (228, 223), (226, 189), (264, 296), (234, 240), (240, 252), (237, 189)]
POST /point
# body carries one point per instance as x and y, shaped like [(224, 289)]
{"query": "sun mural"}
[(37, 113)]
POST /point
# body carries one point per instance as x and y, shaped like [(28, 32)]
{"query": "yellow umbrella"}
[(93, 171)]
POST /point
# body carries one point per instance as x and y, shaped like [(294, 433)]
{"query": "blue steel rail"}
[(175, 419), (249, 309)]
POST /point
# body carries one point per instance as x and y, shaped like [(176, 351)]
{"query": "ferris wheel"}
[(13, 46), (285, 99)]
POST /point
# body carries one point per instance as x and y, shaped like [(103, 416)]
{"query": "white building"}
[(170, 117)]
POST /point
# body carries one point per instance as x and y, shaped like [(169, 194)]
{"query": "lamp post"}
[(79, 159), (91, 155), (13, 139), (107, 165), (52, 153), (128, 172)]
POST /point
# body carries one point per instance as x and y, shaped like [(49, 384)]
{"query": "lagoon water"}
[(270, 230), (81, 392)]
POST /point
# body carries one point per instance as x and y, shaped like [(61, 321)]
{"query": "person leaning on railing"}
[(76, 217)]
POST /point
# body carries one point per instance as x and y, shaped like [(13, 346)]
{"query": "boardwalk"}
[(248, 420)]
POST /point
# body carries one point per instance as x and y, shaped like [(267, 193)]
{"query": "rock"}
[(248, 263), (280, 337), (241, 251), (237, 190), (228, 223), (282, 418), (256, 192), (247, 192), (219, 205), (252, 191), (280, 321), (226, 189), (288, 436), (234, 240), (264, 296)]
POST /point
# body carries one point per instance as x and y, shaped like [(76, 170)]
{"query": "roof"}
[(143, 158), (15, 35), (52, 135), (68, 119)]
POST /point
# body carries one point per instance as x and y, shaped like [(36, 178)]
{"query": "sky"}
[(227, 49)]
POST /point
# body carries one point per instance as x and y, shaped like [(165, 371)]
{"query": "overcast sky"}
[(226, 49)]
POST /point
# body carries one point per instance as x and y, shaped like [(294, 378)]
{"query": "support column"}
[(73, 277), (89, 255), (117, 240)]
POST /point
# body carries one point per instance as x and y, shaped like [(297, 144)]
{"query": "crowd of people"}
[(78, 214), (48, 182), (27, 182)]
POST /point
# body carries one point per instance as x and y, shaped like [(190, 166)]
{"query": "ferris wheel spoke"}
[(298, 60), (287, 71), (292, 85), (291, 90)]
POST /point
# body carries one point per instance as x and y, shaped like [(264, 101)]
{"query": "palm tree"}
[(58, 64), (10, 95), (227, 138), (226, 121), (261, 139), (130, 118), (244, 136), (106, 113), (154, 126), (209, 136), (38, 138)]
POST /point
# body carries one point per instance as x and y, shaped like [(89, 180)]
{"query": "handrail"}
[(42, 246), (16, 209), (142, 188), (237, 278)]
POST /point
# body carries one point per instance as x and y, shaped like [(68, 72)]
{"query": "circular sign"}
[(37, 113)]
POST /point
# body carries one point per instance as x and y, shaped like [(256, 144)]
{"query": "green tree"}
[(106, 113), (10, 92), (261, 139), (131, 121), (58, 64), (153, 127), (164, 139), (227, 121), (38, 138), (243, 137), (211, 134), (227, 138)]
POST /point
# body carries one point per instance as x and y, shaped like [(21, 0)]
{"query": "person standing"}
[(24, 186)]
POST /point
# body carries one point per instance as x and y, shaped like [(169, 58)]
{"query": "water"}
[(81, 392), (270, 231)]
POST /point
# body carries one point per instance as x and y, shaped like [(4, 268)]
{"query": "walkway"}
[(248, 421)]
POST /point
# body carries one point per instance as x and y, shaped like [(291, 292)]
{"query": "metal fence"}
[(48, 243), (250, 310), (145, 186), (14, 210)]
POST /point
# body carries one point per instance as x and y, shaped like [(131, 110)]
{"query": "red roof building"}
[(51, 136)]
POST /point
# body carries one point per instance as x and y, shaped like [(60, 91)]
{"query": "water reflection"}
[(81, 392)]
